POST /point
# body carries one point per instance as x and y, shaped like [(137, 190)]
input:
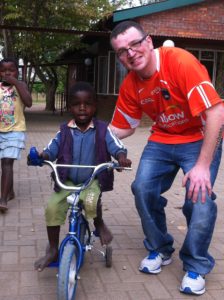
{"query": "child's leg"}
[(6, 182), (55, 215), (101, 228), (11, 194), (52, 249)]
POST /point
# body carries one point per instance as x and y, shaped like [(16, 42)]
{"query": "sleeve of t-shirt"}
[(195, 83), (127, 113)]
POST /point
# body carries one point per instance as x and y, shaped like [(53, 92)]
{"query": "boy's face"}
[(82, 107), (8, 69)]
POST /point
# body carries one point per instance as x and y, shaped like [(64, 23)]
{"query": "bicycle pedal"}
[(53, 264)]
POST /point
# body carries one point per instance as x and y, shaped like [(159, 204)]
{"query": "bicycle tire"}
[(108, 256), (68, 273)]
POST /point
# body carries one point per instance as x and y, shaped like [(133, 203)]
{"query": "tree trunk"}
[(50, 96)]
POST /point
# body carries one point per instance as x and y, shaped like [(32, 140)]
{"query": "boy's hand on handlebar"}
[(123, 160), (34, 158)]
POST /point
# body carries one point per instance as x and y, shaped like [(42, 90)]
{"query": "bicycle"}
[(78, 240)]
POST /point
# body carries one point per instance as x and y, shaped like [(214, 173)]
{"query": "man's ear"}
[(149, 41)]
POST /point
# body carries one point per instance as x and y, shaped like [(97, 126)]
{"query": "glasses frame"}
[(123, 52)]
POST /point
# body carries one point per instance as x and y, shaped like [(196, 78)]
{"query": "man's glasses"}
[(123, 52)]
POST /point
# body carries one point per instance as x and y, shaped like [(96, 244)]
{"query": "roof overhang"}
[(157, 6)]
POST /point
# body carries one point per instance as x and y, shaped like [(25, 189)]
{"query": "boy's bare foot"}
[(11, 196), (43, 262), (3, 206), (104, 233)]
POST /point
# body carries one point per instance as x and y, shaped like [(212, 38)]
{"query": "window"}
[(220, 74), (110, 74), (120, 73), (214, 62), (102, 74)]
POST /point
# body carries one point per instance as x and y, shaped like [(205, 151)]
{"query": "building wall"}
[(105, 109), (105, 106), (203, 20)]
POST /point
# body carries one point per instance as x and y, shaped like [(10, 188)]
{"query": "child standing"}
[(14, 96), (82, 141)]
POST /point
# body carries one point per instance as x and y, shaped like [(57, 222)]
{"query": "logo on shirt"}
[(147, 100), (140, 90), (172, 116)]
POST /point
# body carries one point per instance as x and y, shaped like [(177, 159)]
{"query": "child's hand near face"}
[(9, 80)]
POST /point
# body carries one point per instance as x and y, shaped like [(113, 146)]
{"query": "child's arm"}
[(22, 89), (117, 149), (44, 155), (51, 151)]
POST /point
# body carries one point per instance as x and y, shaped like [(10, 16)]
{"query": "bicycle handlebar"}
[(97, 169), (34, 159)]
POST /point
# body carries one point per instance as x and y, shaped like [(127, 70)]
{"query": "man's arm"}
[(199, 175), (122, 133)]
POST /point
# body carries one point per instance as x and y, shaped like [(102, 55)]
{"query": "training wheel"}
[(108, 256)]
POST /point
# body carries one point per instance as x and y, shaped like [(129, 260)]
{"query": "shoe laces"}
[(153, 255), (193, 275)]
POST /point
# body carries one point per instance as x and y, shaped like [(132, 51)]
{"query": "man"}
[(174, 90)]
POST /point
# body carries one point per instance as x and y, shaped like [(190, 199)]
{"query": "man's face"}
[(134, 50)]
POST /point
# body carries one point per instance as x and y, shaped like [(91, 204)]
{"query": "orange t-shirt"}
[(179, 118)]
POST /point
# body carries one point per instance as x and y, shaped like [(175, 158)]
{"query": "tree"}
[(40, 50)]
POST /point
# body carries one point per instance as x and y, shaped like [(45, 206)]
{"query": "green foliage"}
[(38, 87), (42, 49), (45, 47)]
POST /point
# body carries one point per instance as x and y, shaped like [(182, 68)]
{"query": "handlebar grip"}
[(34, 158)]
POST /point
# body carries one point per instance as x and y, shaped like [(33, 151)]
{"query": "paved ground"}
[(23, 236)]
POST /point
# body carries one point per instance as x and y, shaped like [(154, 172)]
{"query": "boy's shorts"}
[(11, 144), (57, 207)]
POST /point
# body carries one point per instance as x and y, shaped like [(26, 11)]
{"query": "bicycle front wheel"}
[(68, 273)]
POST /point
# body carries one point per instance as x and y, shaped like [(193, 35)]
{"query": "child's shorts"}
[(11, 144), (57, 206)]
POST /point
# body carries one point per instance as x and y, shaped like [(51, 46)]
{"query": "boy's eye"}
[(82, 104)]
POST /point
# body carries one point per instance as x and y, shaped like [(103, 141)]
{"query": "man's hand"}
[(199, 182)]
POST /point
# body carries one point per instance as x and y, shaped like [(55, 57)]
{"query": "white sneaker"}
[(193, 283), (153, 262)]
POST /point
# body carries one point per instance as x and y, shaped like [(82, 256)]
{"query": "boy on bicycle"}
[(82, 141)]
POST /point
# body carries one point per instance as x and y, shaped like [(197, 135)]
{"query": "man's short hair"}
[(123, 26)]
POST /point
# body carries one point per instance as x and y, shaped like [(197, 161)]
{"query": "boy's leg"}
[(52, 249), (55, 215), (101, 228), (6, 182)]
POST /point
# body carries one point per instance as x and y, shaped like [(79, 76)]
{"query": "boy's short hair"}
[(81, 86), (123, 26), (9, 60)]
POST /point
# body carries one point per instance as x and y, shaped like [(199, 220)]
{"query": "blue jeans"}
[(156, 172)]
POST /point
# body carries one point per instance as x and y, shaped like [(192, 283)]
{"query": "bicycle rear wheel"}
[(68, 273)]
